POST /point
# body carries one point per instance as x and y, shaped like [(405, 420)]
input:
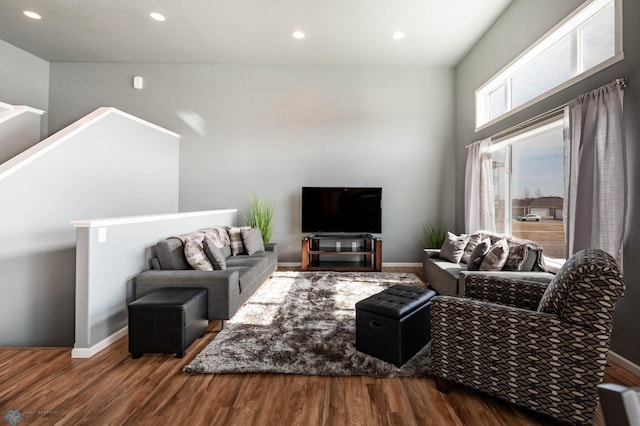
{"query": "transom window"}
[(587, 41)]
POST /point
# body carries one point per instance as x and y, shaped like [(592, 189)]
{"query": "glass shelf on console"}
[(341, 252)]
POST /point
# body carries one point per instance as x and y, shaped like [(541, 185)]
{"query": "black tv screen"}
[(341, 209)]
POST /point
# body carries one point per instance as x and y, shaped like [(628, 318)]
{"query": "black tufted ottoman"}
[(167, 320), (394, 325)]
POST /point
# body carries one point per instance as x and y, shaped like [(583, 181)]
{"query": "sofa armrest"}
[(457, 319), (503, 290), (223, 287), (432, 252), (271, 247), (535, 276)]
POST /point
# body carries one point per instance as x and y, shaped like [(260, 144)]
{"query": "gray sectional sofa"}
[(448, 278), (227, 289)]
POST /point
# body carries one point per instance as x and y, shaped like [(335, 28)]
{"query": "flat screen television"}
[(350, 210)]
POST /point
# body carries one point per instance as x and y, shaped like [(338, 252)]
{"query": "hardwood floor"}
[(49, 387)]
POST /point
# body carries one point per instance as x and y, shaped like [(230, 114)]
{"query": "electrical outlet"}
[(338, 245), (354, 246)]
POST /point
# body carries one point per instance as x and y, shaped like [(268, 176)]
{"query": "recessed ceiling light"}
[(157, 16), (32, 15), (398, 35), (298, 34)]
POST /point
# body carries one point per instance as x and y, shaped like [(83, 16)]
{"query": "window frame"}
[(571, 25), (507, 142)]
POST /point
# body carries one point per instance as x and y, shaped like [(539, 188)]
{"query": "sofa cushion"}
[(235, 236), (214, 254), (194, 252), (443, 275), (496, 257), (252, 240), (260, 258), (478, 254), (170, 254), (453, 247), (242, 260), (247, 276), (473, 241)]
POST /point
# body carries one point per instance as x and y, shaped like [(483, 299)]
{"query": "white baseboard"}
[(402, 264), (89, 352), (624, 363)]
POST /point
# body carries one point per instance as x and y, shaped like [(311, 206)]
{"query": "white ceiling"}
[(438, 32)]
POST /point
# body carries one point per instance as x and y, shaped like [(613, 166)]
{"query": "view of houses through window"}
[(528, 180)]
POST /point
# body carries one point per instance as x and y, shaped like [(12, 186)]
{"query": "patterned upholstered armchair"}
[(543, 347)]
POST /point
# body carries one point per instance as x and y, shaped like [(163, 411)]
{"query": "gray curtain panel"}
[(595, 172)]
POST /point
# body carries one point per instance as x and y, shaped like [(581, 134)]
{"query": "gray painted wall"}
[(115, 167), (521, 25), (269, 130), (18, 133), (26, 81)]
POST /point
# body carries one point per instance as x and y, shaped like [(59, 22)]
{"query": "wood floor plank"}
[(359, 409), (296, 398), (21, 370), (111, 388), (430, 406)]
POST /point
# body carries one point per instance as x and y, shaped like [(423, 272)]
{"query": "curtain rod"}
[(620, 83)]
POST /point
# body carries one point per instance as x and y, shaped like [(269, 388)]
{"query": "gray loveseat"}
[(448, 278), (228, 289)]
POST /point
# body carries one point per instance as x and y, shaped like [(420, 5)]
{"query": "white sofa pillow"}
[(453, 247)]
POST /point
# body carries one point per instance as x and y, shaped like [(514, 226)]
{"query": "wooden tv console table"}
[(342, 252)]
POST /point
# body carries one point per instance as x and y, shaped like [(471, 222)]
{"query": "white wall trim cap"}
[(55, 140), (13, 112), (125, 220)]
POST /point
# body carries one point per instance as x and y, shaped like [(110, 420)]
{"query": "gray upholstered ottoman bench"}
[(394, 325), (167, 320)]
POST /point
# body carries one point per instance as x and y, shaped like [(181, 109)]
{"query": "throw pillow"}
[(478, 254), (194, 252), (235, 236), (218, 234), (496, 258), (453, 247), (155, 264), (214, 254), (252, 239), (474, 239), (226, 250)]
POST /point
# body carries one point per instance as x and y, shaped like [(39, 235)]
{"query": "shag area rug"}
[(304, 323)]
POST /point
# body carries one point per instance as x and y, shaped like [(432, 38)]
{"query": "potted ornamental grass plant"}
[(434, 236), (260, 215)]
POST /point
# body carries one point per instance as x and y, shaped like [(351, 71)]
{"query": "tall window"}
[(587, 41), (528, 171)]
